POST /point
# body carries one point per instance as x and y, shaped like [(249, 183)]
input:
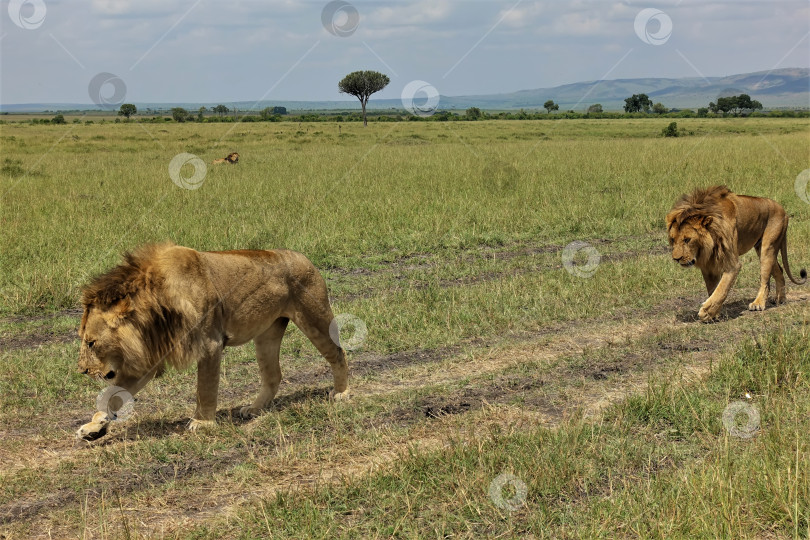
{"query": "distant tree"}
[(220, 110), (550, 106), (595, 108), (637, 103), (473, 113), (201, 114), (703, 112), (361, 84), (743, 102), (659, 108), (266, 113), (279, 110), (127, 109), (179, 114), (58, 119)]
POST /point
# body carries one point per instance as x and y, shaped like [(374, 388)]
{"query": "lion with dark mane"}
[(232, 158), (168, 305), (711, 228)]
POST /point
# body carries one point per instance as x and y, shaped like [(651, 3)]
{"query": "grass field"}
[(595, 401)]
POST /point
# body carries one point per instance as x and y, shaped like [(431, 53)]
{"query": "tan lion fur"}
[(232, 158), (711, 228), (171, 305)]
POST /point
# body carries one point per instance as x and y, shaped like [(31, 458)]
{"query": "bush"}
[(671, 130), (58, 119)]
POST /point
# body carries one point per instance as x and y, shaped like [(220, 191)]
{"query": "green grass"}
[(659, 465), (446, 240)]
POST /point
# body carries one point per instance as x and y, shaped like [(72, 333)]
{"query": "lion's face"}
[(689, 240), (107, 341)]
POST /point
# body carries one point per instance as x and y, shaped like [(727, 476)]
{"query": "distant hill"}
[(787, 87)]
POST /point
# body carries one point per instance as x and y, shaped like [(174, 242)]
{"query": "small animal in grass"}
[(232, 158)]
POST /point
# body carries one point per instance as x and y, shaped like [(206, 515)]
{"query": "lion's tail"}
[(802, 272)]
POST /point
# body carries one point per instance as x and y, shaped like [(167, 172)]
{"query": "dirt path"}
[(477, 384)]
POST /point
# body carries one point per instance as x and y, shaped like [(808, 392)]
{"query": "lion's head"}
[(129, 328), (699, 233), (233, 157)]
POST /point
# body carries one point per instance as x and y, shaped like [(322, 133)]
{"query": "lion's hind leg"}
[(316, 328), (268, 348), (767, 250)]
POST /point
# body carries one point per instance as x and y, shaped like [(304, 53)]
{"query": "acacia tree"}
[(550, 106), (127, 110), (361, 84), (638, 103)]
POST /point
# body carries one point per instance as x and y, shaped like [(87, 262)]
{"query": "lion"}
[(232, 158), (711, 228), (168, 305)]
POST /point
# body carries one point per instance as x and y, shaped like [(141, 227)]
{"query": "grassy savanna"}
[(483, 355)]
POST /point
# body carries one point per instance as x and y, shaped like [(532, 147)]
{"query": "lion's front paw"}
[(339, 396), (756, 306), (249, 411), (195, 424), (95, 429), (708, 313)]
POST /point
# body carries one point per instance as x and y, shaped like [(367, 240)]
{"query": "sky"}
[(184, 51)]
